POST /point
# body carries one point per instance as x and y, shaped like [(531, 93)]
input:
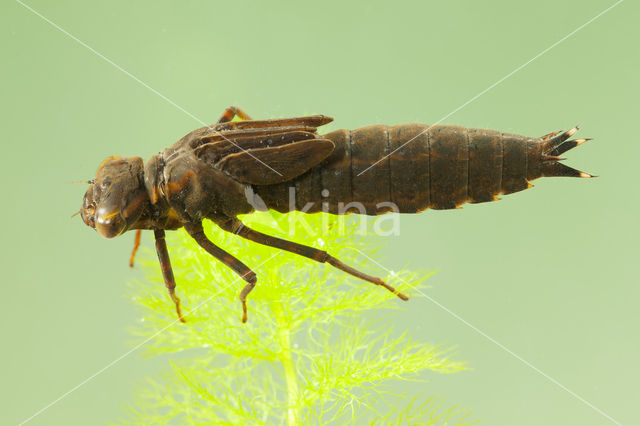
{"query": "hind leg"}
[(237, 227)]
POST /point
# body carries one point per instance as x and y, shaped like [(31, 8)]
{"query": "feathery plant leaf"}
[(316, 349)]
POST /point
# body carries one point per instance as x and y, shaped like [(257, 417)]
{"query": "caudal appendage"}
[(555, 144)]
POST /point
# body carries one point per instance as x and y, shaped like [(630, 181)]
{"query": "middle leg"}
[(197, 233), (230, 113)]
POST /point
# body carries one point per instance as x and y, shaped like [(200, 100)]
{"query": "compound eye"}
[(109, 224)]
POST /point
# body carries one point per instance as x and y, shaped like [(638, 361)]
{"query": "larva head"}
[(116, 198)]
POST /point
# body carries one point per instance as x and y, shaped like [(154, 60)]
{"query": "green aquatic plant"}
[(319, 346)]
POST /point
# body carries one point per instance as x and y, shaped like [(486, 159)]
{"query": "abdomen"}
[(412, 167)]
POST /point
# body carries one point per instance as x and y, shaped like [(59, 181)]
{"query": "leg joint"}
[(250, 277), (322, 256)]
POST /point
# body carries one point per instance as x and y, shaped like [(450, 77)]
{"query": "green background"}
[(550, 273)]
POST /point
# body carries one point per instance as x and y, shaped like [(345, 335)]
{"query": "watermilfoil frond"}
[(315, 349)]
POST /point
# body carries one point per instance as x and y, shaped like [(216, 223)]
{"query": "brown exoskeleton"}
[(218, 172)]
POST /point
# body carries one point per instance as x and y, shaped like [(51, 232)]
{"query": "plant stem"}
[(286, 359)]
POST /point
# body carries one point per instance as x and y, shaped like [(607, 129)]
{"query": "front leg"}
[(237, 227), (167, 272), (197, 233), (136, 244)]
